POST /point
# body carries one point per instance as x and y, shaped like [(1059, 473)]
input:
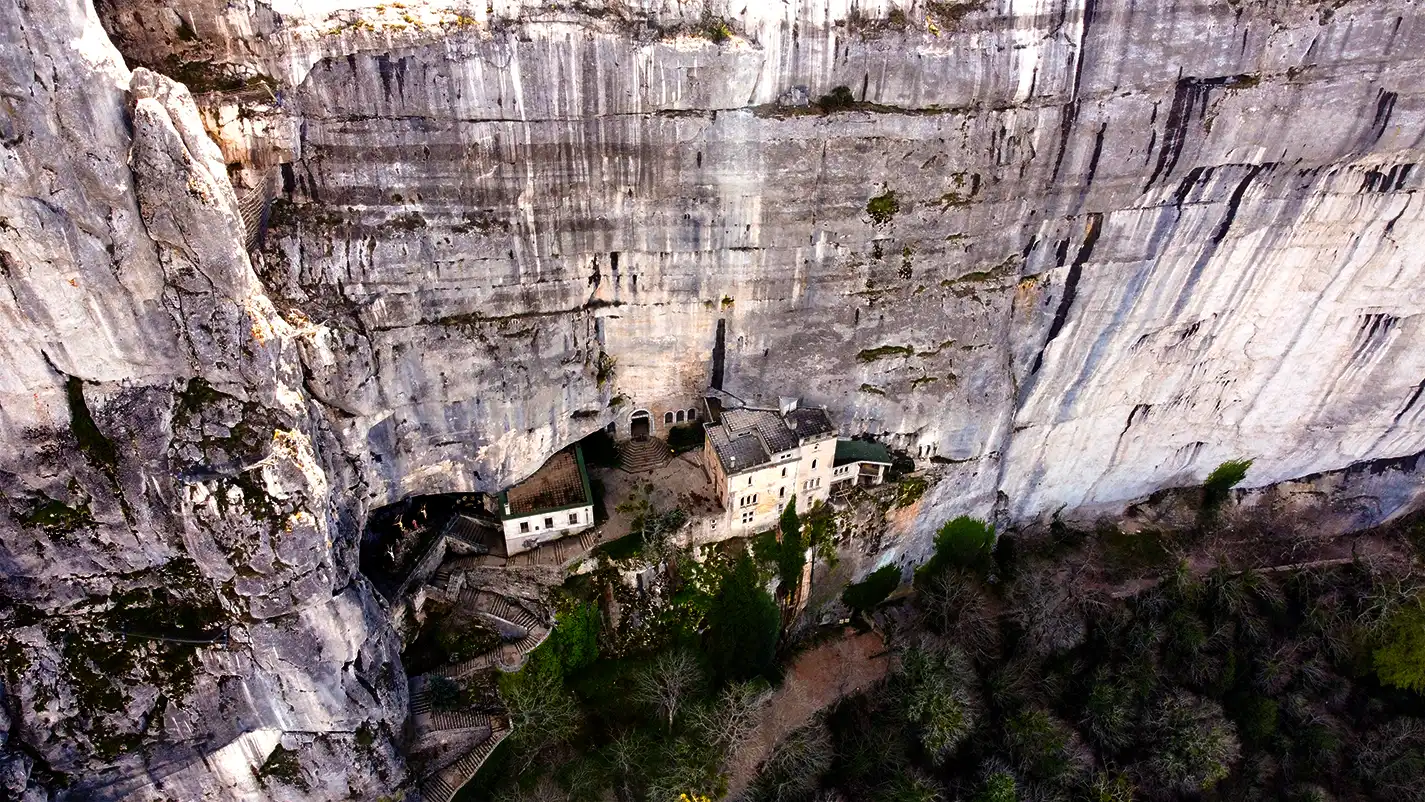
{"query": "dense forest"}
[(1070, 665)]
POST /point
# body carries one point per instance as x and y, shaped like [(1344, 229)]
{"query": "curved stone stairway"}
[(643, 454), (460, 741), (454, 744)]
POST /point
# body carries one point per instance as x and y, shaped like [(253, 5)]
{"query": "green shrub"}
[(443, 694), (466, 641), (872, 590), (838, 99), (1256, 718), (933, 688), (685, 437), (1041, 745), (283, 765), (998, 788), (1400, 656), (1222, 479), (1193, 746), (743, 625), (910, 490), (965, 543), (717, 31), (576, 636), (791, 555)]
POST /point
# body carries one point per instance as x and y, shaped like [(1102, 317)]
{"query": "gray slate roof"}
[(748, 438), (737, 453), (809, 423)]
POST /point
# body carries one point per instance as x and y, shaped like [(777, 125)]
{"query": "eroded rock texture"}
[(1077, 251)]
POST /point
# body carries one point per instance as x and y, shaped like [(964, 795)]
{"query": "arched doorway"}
[(639, 425)]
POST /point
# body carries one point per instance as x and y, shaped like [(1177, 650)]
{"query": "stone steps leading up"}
[(449, 721), (441, 786), (474, 665), (637, 456), (491, 604)]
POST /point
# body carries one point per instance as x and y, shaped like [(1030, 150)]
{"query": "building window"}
[(573, 517), (749, 499), (680, 416), (782, 493), (813, 464), (524, 527), (747, 517), (784, 471), (692, 414), (548, 523), (667, 418), (749, 481)]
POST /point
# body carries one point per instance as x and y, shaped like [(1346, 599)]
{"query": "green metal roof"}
[(848, 451)]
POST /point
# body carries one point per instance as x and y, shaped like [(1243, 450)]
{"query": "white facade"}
[(754, 495), (524, 533)]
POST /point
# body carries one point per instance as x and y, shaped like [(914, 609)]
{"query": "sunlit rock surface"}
[(1115, 244)]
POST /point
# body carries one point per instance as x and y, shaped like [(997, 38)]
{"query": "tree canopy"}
[(743, 625)]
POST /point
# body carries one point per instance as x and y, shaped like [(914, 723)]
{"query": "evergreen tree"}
[(743, 625)]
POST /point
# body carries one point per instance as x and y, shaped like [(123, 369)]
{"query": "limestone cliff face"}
[(1126, 242), (1077, 251), (179, 591)]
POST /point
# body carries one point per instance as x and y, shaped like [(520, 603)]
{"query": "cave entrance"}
[(400, 539), (639, 425)]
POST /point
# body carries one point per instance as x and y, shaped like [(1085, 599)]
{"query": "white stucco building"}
[(760, 458), (555, 502)]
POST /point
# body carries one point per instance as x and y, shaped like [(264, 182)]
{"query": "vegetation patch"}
[(284, 766), (909, 490), (1220, 482), (717, 30), (874, 589), (605, 370), (56, 517), (207, 76), (884, 352), (964, 544), (883, 208), (838, 99), (97, 448), (685, 437)]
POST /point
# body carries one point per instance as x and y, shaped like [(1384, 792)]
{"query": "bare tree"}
[(955, 605), (728, 722), (668, 683), (797, 764)]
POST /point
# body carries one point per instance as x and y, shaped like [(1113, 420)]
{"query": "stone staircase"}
[(441, 786), (453, 721), (643, 454), (559, 553), (446, 738), (497, 606)]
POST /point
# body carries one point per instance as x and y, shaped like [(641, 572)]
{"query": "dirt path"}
[(816, 680)]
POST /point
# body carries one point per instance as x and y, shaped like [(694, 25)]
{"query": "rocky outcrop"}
[(1073, 250), (182, 617)]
